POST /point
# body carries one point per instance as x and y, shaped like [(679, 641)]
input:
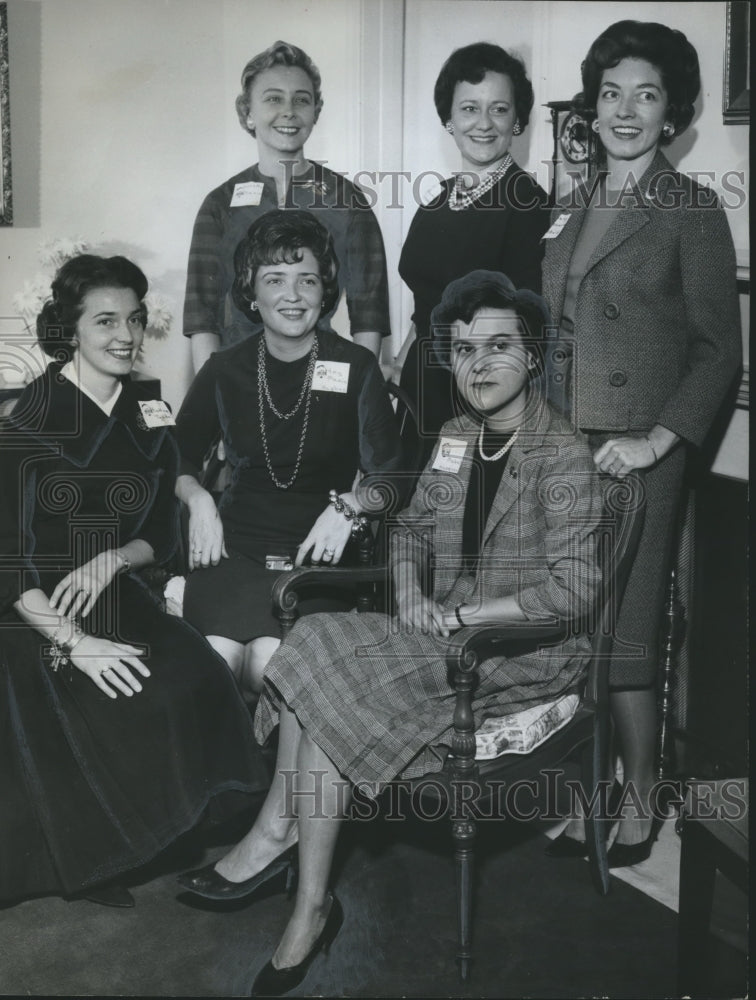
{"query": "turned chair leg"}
[(463, 837)]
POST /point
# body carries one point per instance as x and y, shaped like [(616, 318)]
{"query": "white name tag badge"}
[(248, 193), (451, 451), (557, 226), (155, 413), (331, 376)]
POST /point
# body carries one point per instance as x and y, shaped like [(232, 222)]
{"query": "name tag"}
[(155, 413), (331, 376), (557, 226), (248, 193), (451, 451)]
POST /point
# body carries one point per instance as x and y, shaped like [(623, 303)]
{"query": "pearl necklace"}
[(501, 452)]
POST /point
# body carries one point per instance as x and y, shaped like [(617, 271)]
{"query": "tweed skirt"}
[(635, 652), (377, 701)]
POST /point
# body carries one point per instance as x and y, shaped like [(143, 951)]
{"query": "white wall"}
[(138, 124), (137, 118)]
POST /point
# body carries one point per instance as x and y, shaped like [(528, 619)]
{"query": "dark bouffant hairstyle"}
[(471, 63), (56, 324), (463, 297), (280, 237), (279, 54), (665, 48)]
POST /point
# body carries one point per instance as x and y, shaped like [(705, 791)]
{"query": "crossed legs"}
[(306, 802)]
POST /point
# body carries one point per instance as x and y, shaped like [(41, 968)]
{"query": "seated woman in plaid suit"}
[(503, 514)]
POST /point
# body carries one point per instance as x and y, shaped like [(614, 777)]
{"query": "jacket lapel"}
[(65, 420), (626, 223), (515, 476), (558, 256), (630, 220)]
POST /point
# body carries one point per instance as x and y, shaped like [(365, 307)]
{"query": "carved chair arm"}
[(468, 647), (288, 586)]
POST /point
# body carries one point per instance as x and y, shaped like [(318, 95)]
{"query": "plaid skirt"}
[(376, 699)]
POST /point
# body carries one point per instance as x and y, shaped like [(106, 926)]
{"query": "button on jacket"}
[(657, 321)]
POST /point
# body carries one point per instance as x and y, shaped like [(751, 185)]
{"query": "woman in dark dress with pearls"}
[(489, 216)]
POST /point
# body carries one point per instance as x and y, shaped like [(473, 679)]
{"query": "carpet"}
[(540, 929)]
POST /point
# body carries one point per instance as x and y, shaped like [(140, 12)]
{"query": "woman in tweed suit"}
[(504, 513), (641, 270)]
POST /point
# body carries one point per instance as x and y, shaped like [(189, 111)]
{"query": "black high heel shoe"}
[(273, 982), (210, 884), (627, 855), (565, 846)]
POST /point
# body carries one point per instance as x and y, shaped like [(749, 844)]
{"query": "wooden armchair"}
[(468, 784)]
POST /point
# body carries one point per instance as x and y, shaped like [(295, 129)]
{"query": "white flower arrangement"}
[(54, 252)]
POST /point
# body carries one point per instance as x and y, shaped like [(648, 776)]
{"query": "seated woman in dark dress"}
[(118, 723), (504, 511), (301, 412)]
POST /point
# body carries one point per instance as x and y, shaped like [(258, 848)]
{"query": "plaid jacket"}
[(537, 543)]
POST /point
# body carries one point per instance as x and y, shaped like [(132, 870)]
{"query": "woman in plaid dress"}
[(504, 511)]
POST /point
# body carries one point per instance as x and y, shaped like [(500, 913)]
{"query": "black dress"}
[(499, 232), (346, 431), (93, 786)]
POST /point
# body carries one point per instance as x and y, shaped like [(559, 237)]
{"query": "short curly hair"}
[(57, 322), (665, 48), (278, 54), (480, 289), (279, 237), (471, 63)]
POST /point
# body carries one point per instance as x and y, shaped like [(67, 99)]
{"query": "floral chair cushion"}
[(524, 731)]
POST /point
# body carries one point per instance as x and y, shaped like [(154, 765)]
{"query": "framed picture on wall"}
[(6, 200), (736, 100)]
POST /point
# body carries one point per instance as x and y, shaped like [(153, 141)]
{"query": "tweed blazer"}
[(657, 321), (537, 542)]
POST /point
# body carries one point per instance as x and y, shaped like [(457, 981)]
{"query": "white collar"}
[(70, 372)]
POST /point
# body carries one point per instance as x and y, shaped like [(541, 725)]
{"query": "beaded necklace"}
[(501, 452), (461, 197), (263, 396)]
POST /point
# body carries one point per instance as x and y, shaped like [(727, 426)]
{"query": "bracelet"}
[(125, 566), (653, 450), (360, 524), (341, 506), (62, 649), (459, 616)]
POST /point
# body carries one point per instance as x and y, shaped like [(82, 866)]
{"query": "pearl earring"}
[(449, 128), (669, 130), (517, 128)]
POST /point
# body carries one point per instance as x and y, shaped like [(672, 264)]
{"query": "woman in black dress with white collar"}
[(118, 723)]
